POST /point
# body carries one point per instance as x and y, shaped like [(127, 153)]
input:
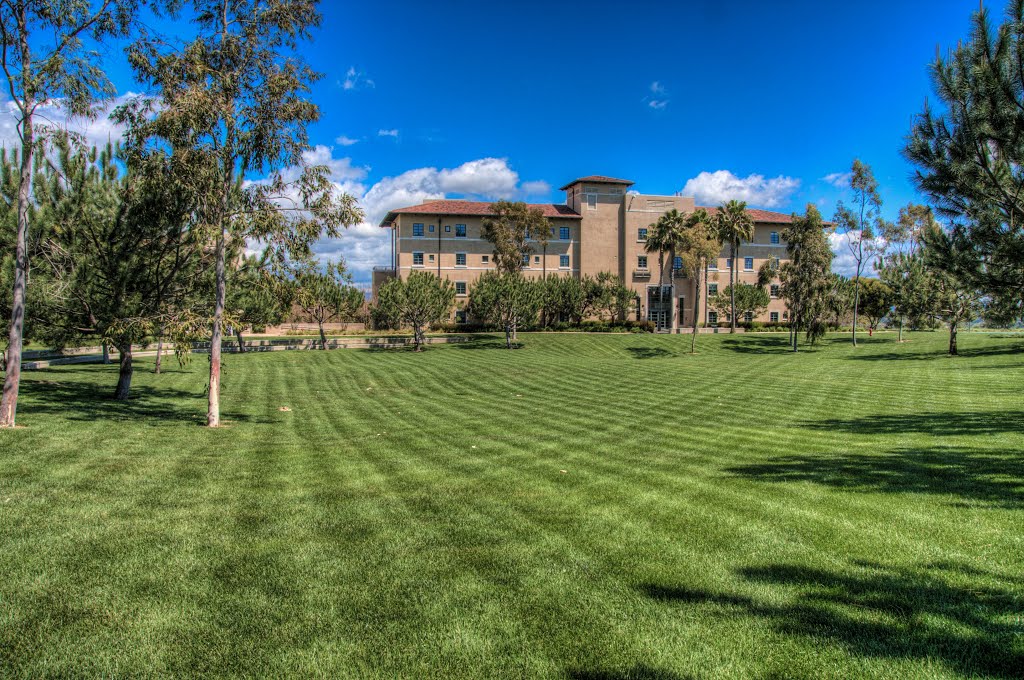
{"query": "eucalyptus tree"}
[(902, 266), (419, 301), (860, 224), (509, 231), (233, 100), (48, 54), (699, 246), (969, 154), (734, 225), (507, 300), (325, 292), (805, 276)]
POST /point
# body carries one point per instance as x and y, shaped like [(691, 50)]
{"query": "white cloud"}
[(355, 79), (536, 188), (714, 188), (844, 262), (658, 99), (387, 133), (97, 130), (345, 140), (365, 245), (840, 180)]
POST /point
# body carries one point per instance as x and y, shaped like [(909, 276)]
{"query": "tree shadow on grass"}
[(650, 352), (486, 342), (938, 353), (59, 393), (942, 424), (750, 343), (878, 611), (991, 478)]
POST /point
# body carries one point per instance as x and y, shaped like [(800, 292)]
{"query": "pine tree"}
[(806, 275), (45, 58)]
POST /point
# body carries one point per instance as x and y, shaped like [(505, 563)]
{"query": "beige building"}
[(601, 227)]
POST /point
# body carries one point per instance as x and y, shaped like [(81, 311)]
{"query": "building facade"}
[(602, 226)]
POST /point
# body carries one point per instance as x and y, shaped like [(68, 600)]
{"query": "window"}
[(431, 229), (484, 259), (712, 317), (641, 234), (431, 256), (748, 317), (417, 229), (417, 259), (773, 317), (536, 259), (728, 263), (528, 237), (712, 289), (460, 259), (774, 239), (526, 259), (774, 290), (713, 264), (460, 316), (677, 263), (563, 233), (563, 261), (592, 201), (641, 262), (785, 316), (448, 228), (460, 287), (748, 263), (460, 231)]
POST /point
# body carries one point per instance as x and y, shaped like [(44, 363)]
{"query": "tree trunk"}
[(794, 331), (952, 338), (672, 287), (323, 336), (213, 408), (900, 336), (124, 376), (734, 251), (159, 351), (696, 311), (856, 304), (417, 337), (508, 336), (15, 338), (105, 346), (241, 342)]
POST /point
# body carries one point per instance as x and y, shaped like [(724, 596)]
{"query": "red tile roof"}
[(761, 216), (453, 207), (597, 179)]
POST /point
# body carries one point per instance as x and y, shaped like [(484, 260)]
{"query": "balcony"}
[(641, 273), (384, 269)]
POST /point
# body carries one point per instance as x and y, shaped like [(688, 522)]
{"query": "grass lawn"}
[(590, 506)]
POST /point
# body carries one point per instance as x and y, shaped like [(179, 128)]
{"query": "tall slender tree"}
[(734, 225), (806, 275), (860, 224), (47, 54), (700, 244), (234, 101)]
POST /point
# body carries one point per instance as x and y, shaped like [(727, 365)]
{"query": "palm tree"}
[(666, 236), (734, 224)]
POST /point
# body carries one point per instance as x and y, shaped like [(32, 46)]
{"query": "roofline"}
[(390, 218), (584, 180)]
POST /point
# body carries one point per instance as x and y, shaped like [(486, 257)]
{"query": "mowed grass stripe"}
[(739, 512)]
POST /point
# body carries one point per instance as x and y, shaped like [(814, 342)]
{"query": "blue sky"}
[(757, 100)]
